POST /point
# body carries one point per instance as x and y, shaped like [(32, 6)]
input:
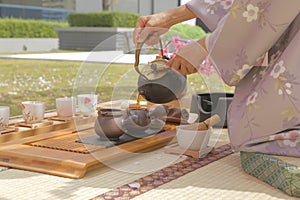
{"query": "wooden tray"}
[(17, 131), (8, 130), (35, 125), (54, 150)]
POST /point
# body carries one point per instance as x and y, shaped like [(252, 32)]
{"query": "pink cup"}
[(66, 107)]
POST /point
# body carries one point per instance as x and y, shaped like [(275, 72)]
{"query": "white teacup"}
[(33, 111), (87, 103), (196, 140), (66, 107), (4, 116)]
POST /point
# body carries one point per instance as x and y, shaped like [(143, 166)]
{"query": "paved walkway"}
[(100, 56)]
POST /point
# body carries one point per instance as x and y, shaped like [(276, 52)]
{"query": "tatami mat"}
[(24, 185), (222, 179), (290, 160)]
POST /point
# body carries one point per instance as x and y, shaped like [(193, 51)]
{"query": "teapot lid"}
[(155, 69)]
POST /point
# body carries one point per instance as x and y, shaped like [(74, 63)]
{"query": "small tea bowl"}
[(192, 139), (108, 124)]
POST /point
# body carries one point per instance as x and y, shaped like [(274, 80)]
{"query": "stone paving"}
[(99, 56)]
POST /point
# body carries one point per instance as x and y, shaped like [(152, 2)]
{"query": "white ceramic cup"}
[(33, 111), (66, 107), (4, 116), (192, 139), (87, 103)]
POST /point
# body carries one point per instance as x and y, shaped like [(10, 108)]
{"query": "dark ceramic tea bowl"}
[(108, 124)]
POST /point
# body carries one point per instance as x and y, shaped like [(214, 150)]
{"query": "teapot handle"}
[(138, 52)]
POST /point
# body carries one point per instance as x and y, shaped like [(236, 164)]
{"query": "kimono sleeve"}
[(246, 33), (210, 12)]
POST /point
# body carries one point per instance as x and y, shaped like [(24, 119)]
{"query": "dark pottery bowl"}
[(209, 104), (108, 124)]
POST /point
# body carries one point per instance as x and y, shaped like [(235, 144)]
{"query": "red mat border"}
[(165, 175)]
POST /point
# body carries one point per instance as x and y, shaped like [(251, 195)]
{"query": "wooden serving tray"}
[(8, 130), (53, 150), (17, 131), (35, 125)]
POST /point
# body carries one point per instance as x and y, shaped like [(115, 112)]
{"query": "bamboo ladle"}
[(205, 124)]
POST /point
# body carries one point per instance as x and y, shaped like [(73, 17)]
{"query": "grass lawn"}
[(22, 80)]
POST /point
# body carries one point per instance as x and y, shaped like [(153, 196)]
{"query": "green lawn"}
[(41, 80)]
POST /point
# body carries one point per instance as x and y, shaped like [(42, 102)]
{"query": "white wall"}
[(144, 7), (162, 5), (125, 5), (88, 5)]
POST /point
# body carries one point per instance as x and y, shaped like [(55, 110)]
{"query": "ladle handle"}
[(212, 121), (205, 124), (138, 52)]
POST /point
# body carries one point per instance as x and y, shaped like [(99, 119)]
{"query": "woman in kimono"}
[(264, 115)]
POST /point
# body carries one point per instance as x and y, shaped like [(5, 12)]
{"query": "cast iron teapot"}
[(157, 82)]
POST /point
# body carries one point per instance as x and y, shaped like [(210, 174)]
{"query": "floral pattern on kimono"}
[(264, 115)]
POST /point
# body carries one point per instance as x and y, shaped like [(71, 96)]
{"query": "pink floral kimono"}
[(264, 115)]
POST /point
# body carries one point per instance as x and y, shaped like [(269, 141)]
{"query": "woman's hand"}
[(149, 28), (152, 26)]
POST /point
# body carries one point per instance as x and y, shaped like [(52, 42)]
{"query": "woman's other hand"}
[(181, 65), (189, 57)]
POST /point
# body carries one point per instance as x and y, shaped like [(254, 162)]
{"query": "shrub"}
[(103, 19), (179, 35), (21, 28), (186, 31)]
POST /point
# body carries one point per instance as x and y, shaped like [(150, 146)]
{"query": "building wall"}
[(144, 7), (88, 5), (162, 5), (23, 2), (33, 12), (58, 4), (125, 5)]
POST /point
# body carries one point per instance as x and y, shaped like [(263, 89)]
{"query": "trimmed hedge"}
[(187, 31), (103, 19), (21, 28)]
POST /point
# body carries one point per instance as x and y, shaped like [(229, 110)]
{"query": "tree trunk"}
[(105, 4)]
